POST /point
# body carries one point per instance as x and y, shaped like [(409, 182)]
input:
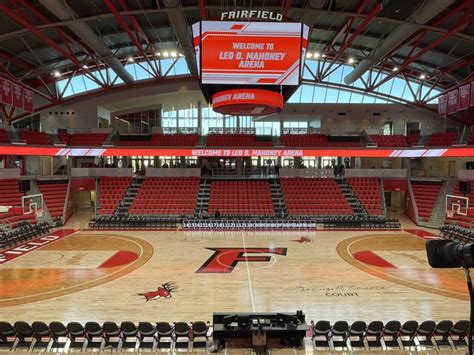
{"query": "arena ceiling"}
[(431, 41)]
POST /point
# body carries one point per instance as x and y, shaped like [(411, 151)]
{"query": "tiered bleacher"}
[(470, 139), (54, 196), (316, 140), (237, 140), (241, 198), (314, 196), (426, 193), (460, 220), (87, 139), (166, 196), (395, 140), (63, 137), (367, 190), (441, 139), (4, 136), (31, 137), (111, 191)]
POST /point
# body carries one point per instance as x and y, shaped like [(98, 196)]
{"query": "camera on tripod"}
[(448, 254)]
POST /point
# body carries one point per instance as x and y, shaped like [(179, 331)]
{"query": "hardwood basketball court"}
[(333, 275)]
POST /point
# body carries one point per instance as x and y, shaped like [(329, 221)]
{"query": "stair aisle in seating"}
[(202, 203), (129, 196), (54, 196), (351, 197), (438, 214), (426, 193), (369, 194), (171, 196), (111, 191), (279, 204)]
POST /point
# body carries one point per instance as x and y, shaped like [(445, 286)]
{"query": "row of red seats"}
[(395, 140), (367, 191), (441, 139), (313, 140), (54, 197), (111, 192), (320, 196), (176, 140), (425, 194), (32, 137), (167, 196), (235, 140), (241, 198), (4, 136), (87, 139)]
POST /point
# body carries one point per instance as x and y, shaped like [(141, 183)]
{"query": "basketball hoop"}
[(450, 213)]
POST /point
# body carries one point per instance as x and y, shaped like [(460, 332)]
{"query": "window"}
[(387, 128)]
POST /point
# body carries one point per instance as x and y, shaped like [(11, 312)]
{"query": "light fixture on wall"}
[(56, 74)]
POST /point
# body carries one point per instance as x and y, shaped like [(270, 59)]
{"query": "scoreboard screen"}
[(250, 53)]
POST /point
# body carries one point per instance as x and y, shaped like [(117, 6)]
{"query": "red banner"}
[(464, 92), (17, 95), (452, 102), (5, 91), (28, 100), (442, 102), (472, 94)]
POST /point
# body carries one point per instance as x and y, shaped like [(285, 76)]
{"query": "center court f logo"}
[(225, 259)]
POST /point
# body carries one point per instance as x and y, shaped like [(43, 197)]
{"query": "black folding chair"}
[(164, 332), (357, 335), (322, 334), (408, 333), (7, 336), (390, 333), (24, 335), (339, 334), (111, 333), (425, 333), (129, 331), (199, 330), (42, 335), (94, 335), (459, 334), (441, 334), (373, 335), (181, 331), (77, 336), (146, 335), (58, 333)]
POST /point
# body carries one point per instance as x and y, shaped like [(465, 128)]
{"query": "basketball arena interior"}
[(243, 176)]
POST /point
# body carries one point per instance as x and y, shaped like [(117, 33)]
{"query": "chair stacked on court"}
[(31, 137), (54, 196), (367, 190), (460, 220), (426, 193), (394, 140), (441, 139), (241, 198), (314, 196), (166, 196), (315, 140), (4, 136), (111, 192), (236, 140), (87, 139)]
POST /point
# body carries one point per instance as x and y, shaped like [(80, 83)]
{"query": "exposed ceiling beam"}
[(180, 28)]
